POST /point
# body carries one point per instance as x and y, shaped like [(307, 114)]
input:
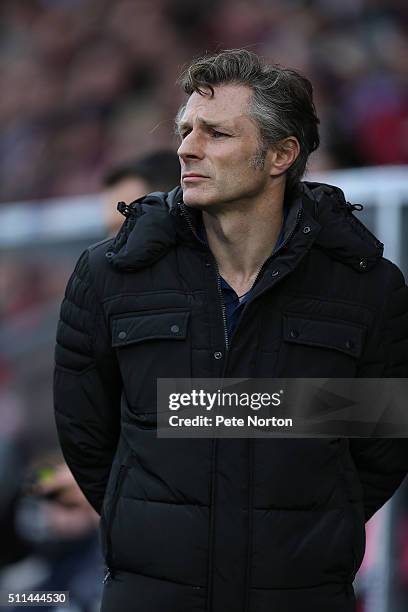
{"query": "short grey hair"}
[(282, 101)]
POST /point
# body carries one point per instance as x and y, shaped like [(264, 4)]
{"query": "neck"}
[(241, 239)]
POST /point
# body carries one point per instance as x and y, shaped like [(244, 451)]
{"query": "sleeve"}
[(383, 463), (87, 386)]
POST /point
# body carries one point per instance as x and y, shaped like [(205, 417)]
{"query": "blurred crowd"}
[(87, 105), (86, 84), (49, 532)]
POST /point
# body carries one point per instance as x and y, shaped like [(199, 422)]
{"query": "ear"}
[(283, 155)]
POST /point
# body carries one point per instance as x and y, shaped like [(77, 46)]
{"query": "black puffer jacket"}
[(227, 525)]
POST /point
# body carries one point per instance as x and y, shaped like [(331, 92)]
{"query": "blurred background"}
[(88, 89)]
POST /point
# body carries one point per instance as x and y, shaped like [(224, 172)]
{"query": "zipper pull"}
[(107, 576), (124, 209), (353, 207)]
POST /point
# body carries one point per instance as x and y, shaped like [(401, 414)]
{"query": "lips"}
[(192, 176)]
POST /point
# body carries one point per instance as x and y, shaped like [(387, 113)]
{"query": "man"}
[(246, 272), (157, 171)]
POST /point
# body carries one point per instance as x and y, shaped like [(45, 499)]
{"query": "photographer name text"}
[(222, 421)]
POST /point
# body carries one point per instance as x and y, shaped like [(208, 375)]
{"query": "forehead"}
[(228, 104)]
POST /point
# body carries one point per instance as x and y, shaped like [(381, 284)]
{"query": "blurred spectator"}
[(57, 533), (13, 459), (49, 534), (159, 171), (84, 87), (69, 514)]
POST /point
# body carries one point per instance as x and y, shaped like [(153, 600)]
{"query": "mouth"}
[(193, 177)]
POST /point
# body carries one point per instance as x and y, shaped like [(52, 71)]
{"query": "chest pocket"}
[(151, 345), (148, 327), (320, 347)]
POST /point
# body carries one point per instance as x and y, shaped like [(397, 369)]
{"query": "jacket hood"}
[(342, 235), (157, 222)]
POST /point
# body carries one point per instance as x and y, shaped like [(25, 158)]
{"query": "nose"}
[(190, 147)]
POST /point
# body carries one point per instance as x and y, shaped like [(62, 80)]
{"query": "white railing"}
[(50, 220), (384, 188)]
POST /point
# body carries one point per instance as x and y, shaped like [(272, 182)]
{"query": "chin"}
[(195, 199)]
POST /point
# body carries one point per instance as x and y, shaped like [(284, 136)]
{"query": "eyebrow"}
[(208, 124)]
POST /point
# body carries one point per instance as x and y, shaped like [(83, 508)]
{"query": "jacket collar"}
[(159, 221)]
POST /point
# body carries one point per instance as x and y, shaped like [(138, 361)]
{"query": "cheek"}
[(240, 172), (232, 165)]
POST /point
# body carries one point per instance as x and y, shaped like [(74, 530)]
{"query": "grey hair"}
[(281, 105)]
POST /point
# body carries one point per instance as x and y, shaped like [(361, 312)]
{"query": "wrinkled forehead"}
[(229, 104)]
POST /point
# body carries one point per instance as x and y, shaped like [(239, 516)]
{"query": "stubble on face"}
[(257, 161)]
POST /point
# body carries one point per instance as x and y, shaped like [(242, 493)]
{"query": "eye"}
[(184, 133), (217, 134)]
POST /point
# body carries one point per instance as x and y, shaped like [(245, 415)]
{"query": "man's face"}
[(220, 154)]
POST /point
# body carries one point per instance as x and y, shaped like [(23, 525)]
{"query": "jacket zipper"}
[(261, 269), (224, 319), (121, 475), (219, 291), (284, 243), (224, 315), (250, 442), (267, 261), (214, 441)]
